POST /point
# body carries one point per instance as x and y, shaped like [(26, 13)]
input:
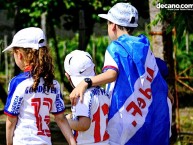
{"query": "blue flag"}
[(139, 113)]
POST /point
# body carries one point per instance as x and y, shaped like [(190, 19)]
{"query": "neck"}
[(121, 32), (27, 68)]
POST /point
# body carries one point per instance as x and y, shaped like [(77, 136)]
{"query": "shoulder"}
[(21, 77), (94, 92), (56, 84), (17, 80), (113, 45), (99, 96)]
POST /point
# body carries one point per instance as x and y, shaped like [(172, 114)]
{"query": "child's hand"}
[(78, 92)]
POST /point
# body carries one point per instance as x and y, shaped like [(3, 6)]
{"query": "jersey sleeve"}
[(83, 109), (15, 97), (58, 105), (109, 63)]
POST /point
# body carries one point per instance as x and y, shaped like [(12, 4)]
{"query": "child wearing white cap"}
[(34, 93), (138, 113), (88, 119)]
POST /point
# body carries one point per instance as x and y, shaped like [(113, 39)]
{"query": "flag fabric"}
[(139, 113), (162, 65)]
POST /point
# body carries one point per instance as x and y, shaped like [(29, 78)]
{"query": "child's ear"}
[(20, 55), (68, 76), (69, 79), (114, 27)]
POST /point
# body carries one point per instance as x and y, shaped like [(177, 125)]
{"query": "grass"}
[(1, 105), (185, 123)]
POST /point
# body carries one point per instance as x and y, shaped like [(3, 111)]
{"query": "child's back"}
[(95, 106), (33, 94), (32, 109), (90, 117)]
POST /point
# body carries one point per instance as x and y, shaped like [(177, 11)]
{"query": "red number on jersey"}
[(96, 119), (36, 102)]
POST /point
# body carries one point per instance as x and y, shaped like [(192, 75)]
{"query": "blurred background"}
[(74, 24)]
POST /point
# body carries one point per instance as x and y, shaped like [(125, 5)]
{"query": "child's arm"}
[(65, 128), (103, 78), (10, 127), (82, 124)]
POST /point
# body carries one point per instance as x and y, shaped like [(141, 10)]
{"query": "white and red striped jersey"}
[(32, 109), (96, 107)]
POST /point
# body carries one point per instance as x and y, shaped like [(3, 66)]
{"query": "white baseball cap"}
[(123, 14), (79, 65), (31, 37)]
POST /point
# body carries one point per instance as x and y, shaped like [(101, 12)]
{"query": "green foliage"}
[(65, 47), (184, 57), (97, 48), (29, 14), (179, 21), (184, 60)]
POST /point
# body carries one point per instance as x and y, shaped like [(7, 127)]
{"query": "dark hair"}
[(128, 29), (42, 66)]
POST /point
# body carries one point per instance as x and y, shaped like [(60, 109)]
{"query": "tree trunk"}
[(156, 32), (162, 45), (17, 26), (82, 36), (58, 59)]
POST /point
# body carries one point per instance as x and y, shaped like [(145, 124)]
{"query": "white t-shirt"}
[(109, 63), (32, 110), (95, 106)]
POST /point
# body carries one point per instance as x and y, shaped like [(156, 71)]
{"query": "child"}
[(88, 119), (162, 65), (138, 113), (34, 93)]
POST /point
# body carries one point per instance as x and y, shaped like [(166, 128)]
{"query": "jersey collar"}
[(27, 68)]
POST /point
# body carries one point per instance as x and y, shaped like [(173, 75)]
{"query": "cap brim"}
[(8, 48), (104, 16), (107, 17), (77, 79), (33, 46)]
